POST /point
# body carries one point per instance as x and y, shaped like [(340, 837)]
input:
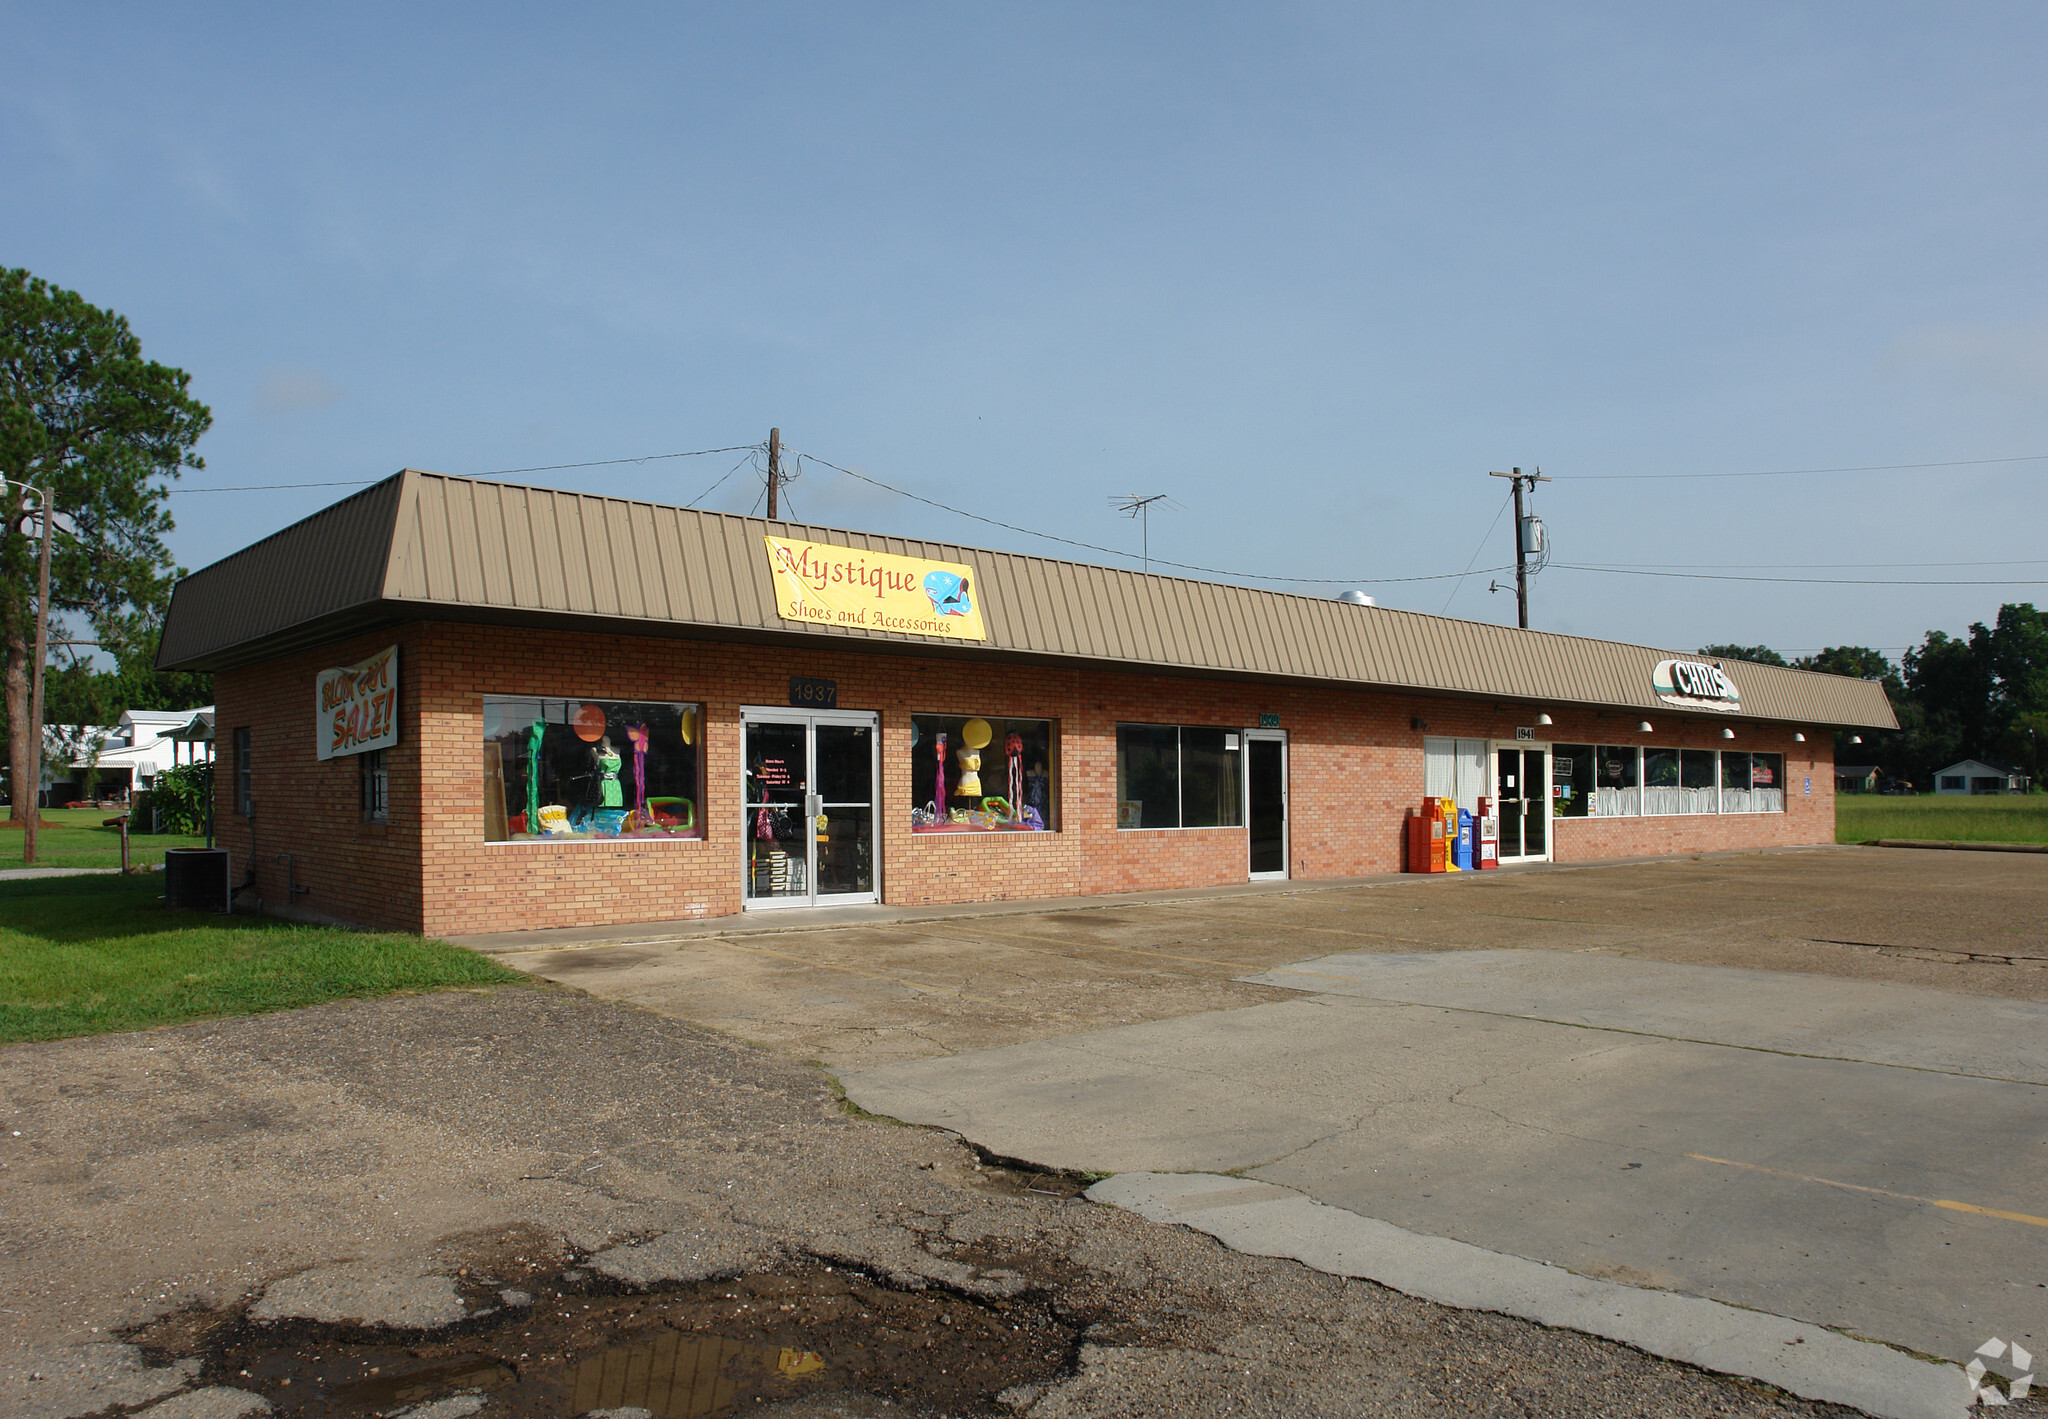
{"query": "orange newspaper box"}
[(1426, 843)]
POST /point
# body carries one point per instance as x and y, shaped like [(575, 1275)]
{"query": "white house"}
[(133, 752), (1973, 776)]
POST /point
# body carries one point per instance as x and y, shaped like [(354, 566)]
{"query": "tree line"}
[(1982, 695)]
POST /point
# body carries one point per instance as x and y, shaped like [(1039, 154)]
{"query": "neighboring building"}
[(465, 706), (133, 753), (1973, 776), (1856, 778)]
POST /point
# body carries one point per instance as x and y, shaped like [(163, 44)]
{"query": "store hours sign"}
[(1693, 684), (355, 707)]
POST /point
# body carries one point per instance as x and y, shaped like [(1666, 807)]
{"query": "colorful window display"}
[(567, 769), (1174, 776), (982, 774)]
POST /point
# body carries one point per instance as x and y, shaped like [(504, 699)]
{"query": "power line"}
[(1475, 554), (1794, 580), (1796, 566), (609, 462), (266, 487), (1114, 552), (1801, 472), (493, 473), (752, 453)]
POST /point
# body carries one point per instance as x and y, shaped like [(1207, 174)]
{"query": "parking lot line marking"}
[(1952, 1206)]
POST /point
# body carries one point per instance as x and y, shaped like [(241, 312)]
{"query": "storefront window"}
[(1752, 783), (981, 774), (1660, 781), (1170, 776), (569, 769), (1617, 781), (1571, 780), (1696, 783)]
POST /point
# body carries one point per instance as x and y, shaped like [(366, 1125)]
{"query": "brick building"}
[(454, 706)]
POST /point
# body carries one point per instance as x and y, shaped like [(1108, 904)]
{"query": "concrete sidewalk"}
[(773, 920)]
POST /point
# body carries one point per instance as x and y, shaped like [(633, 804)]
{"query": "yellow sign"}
[(823, 585)]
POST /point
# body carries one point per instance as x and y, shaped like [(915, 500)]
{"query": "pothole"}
[(549, 1340)]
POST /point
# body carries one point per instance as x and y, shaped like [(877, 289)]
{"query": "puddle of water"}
[(427, 1382), (680, 1376), (681, 1352)]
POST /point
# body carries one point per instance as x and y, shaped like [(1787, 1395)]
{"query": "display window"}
[(569, 769), (1572, 772), (982, 774), (1178, 776), (1752, 783)]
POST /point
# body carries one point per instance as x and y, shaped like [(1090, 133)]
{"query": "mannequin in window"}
[(608, 763)]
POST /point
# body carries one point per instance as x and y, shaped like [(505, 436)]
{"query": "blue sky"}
[(1310, 270)]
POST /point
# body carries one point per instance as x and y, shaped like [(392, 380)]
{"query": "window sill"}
[(1183, 830), (569, 840)]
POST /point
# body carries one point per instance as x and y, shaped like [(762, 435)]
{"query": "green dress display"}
[(608, 765)]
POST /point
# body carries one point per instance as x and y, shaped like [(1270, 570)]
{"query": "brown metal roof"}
[(427, 546)]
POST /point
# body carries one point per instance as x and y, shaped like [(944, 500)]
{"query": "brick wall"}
[(1355, 769)]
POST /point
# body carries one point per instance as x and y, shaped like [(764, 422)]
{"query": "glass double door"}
[(1522, 787), (809, 832)]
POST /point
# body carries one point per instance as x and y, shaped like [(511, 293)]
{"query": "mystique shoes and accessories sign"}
[(823, 585), (355, 707), (1694, 684)]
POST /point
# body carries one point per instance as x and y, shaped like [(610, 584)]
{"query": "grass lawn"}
[(85, 955), (73, 837), (1952, 818)]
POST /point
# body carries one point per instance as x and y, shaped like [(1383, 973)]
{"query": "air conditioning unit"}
[(196, 879)]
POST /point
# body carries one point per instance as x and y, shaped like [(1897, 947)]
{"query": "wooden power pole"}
[(775, 470), (1521, 542)]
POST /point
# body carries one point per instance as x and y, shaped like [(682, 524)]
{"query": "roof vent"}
[(1356, 597)]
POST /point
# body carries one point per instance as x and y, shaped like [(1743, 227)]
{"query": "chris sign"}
[(355, 707), (1692, 684)]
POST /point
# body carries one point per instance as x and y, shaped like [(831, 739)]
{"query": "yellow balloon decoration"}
[(690, 726), (975, 734)]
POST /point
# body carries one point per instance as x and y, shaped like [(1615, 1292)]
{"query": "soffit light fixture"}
[(1727, 733), (1544, 719), (1644, 728), (1798, 738)]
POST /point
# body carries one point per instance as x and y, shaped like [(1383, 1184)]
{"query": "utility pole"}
[(35, 712), (1521, 541), (775, 469)]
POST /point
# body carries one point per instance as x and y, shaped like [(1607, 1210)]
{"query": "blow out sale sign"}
[(356, 706)]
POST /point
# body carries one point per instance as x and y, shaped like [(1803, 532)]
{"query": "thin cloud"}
[(285, 390)]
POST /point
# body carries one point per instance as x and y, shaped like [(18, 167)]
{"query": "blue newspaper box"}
[(1464, 848)]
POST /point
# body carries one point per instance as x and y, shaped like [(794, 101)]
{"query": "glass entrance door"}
[(1522, 784), (809, 778), (1265, 791)]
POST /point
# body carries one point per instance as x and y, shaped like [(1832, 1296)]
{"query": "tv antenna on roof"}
[(1139, 505)]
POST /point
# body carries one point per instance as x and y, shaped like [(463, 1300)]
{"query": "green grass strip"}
[(87, 955), (1949, 818)]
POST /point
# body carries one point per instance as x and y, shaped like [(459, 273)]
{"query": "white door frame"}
[(810, 719), (1271, 736), (1543, 795)]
